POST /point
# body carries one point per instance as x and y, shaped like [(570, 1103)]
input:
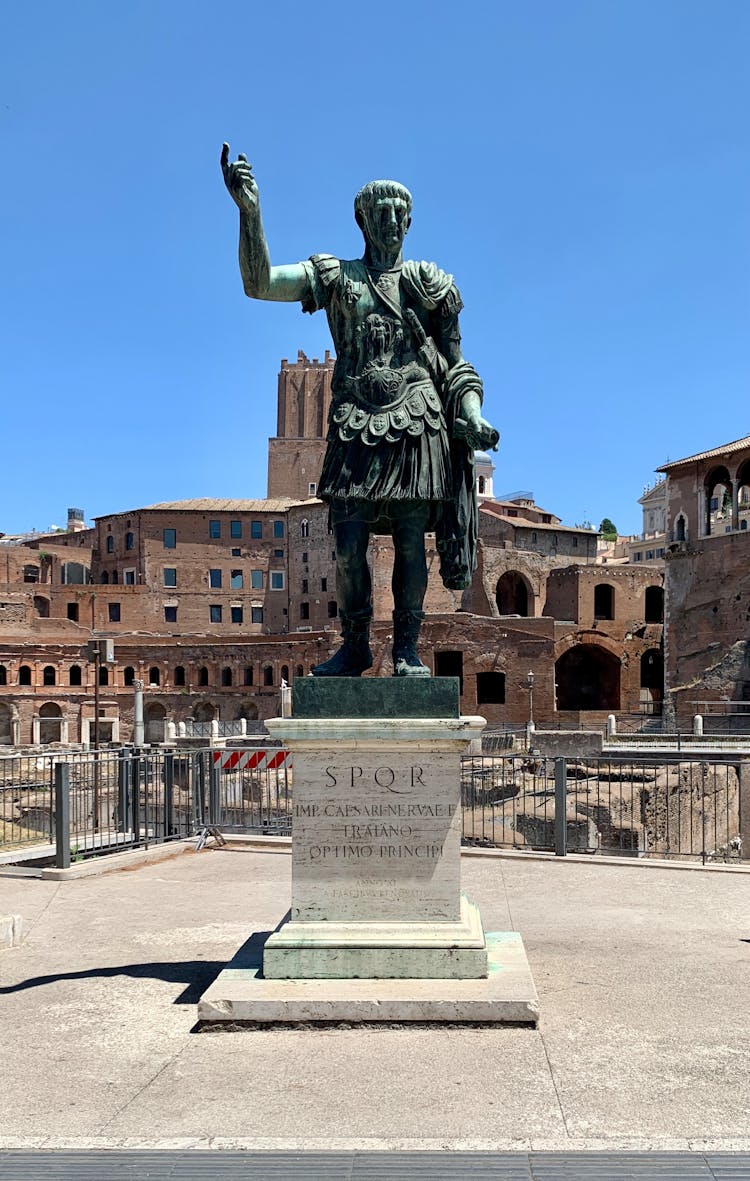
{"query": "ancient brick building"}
[(707, 652)]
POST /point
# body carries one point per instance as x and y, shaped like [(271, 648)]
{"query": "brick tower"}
[(295, 455)]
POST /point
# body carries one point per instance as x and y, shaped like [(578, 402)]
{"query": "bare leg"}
[(353, 583), (409, 580)]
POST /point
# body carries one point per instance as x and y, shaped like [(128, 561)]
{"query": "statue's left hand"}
[(477, 433)]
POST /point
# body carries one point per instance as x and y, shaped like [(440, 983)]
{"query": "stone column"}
[(138, 727)]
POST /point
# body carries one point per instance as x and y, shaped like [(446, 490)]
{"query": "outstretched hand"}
[(239, 179)]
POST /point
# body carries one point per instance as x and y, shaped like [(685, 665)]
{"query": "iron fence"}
[(90, 803), (630, 807)]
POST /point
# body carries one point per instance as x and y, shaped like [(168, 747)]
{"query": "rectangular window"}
[(305, 556), (237, 553), (312, 488), (324, 584), (638, 557), (114, 612), (236, 614), (170, 538), (333, 609), (575, 543), (214, 530), (128, 577), (304, 610), (129, 541), (73, 612), (214, 579), (256, 530), (278, 553), (256, 579), (235, 528), (248, 674), (304, 586), (170, 576), (235, 579), (277, 580), (333, 555), (278, 528), (256, 614), (170, 615), (215, 613)]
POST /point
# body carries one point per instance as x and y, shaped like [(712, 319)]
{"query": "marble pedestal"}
[(377, 911)]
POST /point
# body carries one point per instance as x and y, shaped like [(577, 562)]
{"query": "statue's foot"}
[(409, 665), (351, 660)]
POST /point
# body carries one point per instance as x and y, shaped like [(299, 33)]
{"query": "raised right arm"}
[(259, 279)]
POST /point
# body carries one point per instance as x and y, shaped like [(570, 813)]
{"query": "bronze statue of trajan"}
[(405, 414)]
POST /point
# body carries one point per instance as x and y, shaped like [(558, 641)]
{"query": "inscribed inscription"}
[(376, 837)]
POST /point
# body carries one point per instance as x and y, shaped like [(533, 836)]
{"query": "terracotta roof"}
[(206, 504), (714, 453), (499, 510)]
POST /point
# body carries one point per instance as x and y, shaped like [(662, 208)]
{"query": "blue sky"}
[(581, 167)]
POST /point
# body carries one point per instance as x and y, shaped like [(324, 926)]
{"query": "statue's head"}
[(382, 209)]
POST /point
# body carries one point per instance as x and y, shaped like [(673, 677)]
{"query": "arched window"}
[(154, 676), (248, 677), (103, 674), (24, 675), (718, 503), (48, 676), (305, 528), (110, 544), (654, 612), (31, 573), (3, 675), (129, 541), (512, 594), (680, 528), (105, 578), (285, 673), (128, 675), (50, 722), (179, 675), (480, 485), (604, 601), (74, 674), (203, 675), (267, 674), (226, 677)]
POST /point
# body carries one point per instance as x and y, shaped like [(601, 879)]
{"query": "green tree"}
[(608, 529)]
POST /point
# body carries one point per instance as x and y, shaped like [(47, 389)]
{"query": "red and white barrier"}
[(252, 760)]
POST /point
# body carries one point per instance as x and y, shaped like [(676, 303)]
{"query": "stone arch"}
[(587, 677), (24, 675), (717, 487), (204, 711), (203, 675), (49, 675), (128, 676), (514, 594), (154, 675), (178, 677), (248, 710), (103, 674), (50, 723), (154, 717), (652, 680), (6, 725), (75, 677)]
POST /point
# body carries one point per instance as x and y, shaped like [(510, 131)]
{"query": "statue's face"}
[(386, 222)]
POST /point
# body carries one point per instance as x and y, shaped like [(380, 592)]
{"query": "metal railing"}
[(644, 807), (87, 804)]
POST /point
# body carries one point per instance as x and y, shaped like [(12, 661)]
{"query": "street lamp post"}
[(530, 724)]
